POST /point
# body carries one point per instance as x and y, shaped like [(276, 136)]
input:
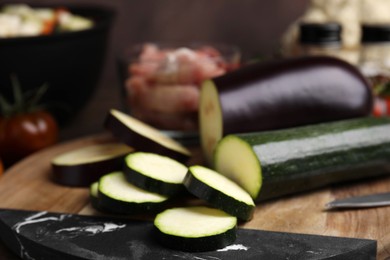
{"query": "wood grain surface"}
[(28, 185)]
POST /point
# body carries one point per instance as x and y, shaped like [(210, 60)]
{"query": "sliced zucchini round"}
[(195, 229), (155, 173), (219, 191), (82, 167), (144, 137), (245, 169), (93, 195), (117, 195), (210, 119)]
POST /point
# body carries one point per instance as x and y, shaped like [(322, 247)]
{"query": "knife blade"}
[(365, 201), (46, 235)]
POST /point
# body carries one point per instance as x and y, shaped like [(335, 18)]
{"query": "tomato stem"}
[(5, 107), (17, 91)]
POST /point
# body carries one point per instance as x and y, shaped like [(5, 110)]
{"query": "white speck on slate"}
[(94, 229), (31, 220), (35, 219), (199, 258), (313, 252), (234, 247)]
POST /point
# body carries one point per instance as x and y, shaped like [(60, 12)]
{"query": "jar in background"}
[(375, 64), (375, 53), (324, 39), (320, 38)]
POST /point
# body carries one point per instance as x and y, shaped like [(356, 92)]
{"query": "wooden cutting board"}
[(28, 185)]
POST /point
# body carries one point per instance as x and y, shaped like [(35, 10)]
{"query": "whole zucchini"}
[(280, 162), (281, 94)]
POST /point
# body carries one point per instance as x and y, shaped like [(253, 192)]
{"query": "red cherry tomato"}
[(23, 134)]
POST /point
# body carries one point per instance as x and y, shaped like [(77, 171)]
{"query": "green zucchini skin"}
[(303, 158), (154, 173), (140, 203), (217, 198), (108, 204), (195, 229), (95, 199), (153, 185), (197, 244)]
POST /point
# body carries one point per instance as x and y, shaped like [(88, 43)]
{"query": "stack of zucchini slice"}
[(149, 181)]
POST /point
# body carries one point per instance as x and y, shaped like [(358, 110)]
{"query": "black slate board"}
[(45, 235)]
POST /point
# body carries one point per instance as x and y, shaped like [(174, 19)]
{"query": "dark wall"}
[(254, 25)]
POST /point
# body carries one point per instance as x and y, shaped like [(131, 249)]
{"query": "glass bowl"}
[(161, 82)]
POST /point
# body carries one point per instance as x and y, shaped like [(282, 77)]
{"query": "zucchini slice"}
[(219, 191), (117, 195), (276, 163), (278, 95), (195, 229), (155, 173), (93, 195), (210, 119), (83, 166), (143, 137)]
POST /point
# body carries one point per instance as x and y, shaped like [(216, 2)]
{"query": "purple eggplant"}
[(143, 137), (281, 94), (83, 166)]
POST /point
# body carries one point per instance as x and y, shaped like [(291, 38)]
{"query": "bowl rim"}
[(104, 15)]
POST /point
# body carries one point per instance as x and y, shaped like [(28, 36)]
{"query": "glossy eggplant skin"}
[(292, 92), (83, 175), (139, 140)]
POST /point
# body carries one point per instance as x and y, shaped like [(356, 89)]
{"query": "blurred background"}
[(260, 29), (256, 27)]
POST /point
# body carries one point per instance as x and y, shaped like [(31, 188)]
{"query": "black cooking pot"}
[(69, 62)]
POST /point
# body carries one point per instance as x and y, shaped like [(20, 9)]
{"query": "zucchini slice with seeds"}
[(195, 229), (82, 167), (117, 195), (276, 163), (143, 137), (155, 173), (219, 191)]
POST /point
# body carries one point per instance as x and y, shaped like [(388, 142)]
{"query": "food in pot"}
[(19, 20)]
